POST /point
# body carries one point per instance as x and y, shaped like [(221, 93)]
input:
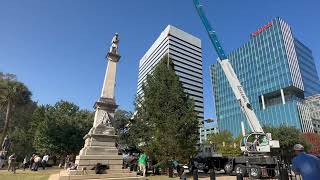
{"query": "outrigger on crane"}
[(257, 141)]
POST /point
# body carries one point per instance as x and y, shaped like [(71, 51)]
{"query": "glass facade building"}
[(274, 70), (313, 103), (307, 68)]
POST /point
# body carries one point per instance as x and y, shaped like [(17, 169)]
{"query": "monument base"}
[(110, 175), (100, 148)]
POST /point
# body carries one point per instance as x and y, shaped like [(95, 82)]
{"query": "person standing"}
[(25, 163), (67, 162), (31, 161), (6, 144), (12, 163), (305, 164), (45, 161), (37, 161), (142, 161), (2, 157)]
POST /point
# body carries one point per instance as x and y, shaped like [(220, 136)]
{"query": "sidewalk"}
[(221, 178)]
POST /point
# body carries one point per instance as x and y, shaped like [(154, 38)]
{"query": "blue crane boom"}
[(255, 126), (230, 73), (211, 32)]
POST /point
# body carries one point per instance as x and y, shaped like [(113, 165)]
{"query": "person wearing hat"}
[(305, 164)]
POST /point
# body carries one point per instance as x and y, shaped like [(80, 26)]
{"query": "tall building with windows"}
[(313, 103), (207, 129), (185, 52), (277, 72)]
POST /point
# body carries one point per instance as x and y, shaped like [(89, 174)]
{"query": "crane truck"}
[(257, 144)]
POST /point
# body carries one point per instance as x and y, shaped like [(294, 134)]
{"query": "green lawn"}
[(27, 175), (31, 176)]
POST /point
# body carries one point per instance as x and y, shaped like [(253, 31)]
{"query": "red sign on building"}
[(263, 28)]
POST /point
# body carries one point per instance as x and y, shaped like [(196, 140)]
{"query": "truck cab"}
[(258, 143)]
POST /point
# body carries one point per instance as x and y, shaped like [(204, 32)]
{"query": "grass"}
[(26, 175), (10, 176)]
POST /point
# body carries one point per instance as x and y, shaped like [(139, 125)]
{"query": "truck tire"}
[(206, 170), (191, 169), (228, 168), (255, 172), (240, 169), (271, 173)]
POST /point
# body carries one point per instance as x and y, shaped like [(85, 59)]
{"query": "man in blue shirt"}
[(305, 164)]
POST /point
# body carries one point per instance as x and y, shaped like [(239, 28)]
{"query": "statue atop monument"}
[(114, 44)]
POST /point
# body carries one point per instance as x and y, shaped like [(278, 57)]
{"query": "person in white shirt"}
[(12, 163), (37, 161), (25, 163), (45, 161)]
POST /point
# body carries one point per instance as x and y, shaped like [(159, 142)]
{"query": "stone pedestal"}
[(99, 144), (99, 148)]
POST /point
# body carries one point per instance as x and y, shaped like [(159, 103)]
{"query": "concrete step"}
[(111, 166), (108, 171), (100, 176), (101, 151), (84, 162), (127, 178), (111, 157), (124, 178)]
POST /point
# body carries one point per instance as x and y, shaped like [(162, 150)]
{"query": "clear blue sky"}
[(57, 47)]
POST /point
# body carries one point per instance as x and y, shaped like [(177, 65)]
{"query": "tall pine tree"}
[(165, 124)]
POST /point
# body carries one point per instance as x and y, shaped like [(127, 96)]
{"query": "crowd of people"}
[(33, 163)]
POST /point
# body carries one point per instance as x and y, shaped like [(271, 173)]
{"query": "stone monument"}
[(99, 144)]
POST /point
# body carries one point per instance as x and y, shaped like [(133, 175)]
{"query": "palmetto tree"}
[(12, 94)]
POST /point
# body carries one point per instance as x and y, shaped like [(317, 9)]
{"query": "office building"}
[(313, 103), (184, 50), (206, 130), (277, 72)]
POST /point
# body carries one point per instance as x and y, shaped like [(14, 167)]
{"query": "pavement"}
[(221, 178)]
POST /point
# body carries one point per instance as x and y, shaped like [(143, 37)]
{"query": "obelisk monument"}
[(99, 144)]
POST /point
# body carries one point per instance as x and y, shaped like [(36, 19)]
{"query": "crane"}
[(257, 133)]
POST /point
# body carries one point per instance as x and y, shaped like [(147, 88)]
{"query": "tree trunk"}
[(6, 124)]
